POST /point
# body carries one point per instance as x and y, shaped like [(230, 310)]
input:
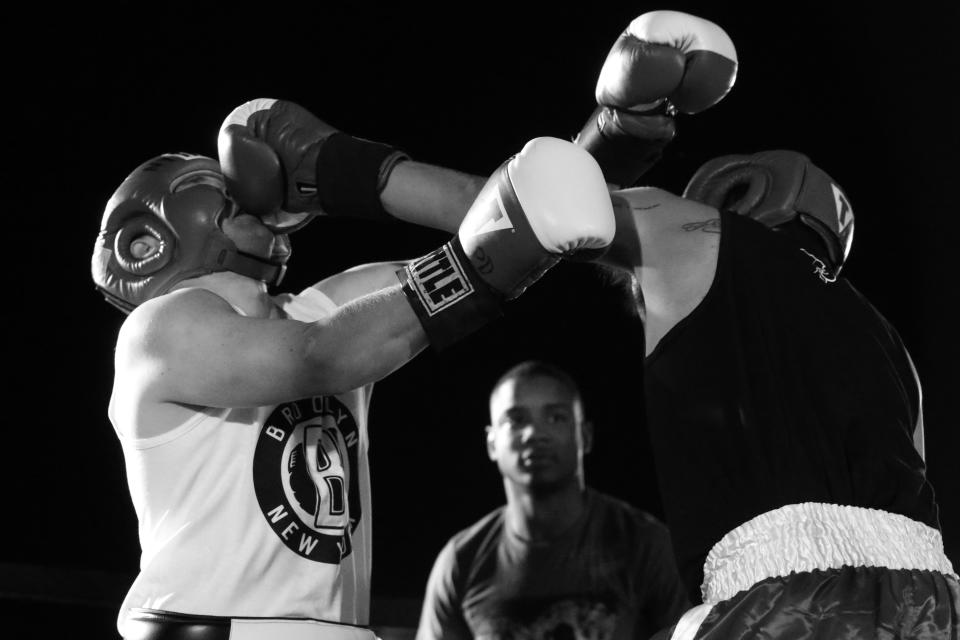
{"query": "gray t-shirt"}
[(610, 576)]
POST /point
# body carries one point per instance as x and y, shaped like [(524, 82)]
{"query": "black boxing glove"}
[(778, 188), (284, 164), (665, 61)]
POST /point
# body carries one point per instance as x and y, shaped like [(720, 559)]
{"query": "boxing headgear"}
[(776, 188), (180, 200)]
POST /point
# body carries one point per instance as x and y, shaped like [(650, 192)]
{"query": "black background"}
[(868, 94)]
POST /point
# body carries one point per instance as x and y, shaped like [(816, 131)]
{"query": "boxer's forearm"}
[(364, 341), (429, 195)]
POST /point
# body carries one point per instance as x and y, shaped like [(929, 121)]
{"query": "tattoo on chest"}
[(708, 226)]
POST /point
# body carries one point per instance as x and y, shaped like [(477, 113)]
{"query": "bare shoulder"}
[(671, 233), (675, 257), (153, 323), (154, 332), (149, 340), (657, 211), (359, 281)]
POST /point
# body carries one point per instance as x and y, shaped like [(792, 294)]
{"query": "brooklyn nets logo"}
[(306, 479)]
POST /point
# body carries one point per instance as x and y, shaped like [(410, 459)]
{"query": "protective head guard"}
[(180, 200), (777, 188)]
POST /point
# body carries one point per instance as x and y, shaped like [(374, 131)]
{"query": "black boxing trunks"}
[(818, 570)]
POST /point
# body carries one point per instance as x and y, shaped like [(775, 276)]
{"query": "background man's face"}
[(535, 434)]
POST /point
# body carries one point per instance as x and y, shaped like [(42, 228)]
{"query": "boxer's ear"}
[(491, 453)]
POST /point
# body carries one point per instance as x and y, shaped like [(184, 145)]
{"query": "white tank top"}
[(257, 512)]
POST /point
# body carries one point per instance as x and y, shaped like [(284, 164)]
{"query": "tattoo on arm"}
[(708, 226)]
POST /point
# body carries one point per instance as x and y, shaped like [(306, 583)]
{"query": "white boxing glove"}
[(548, 202)]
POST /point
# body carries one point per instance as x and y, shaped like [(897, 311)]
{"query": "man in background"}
[(558, 560)]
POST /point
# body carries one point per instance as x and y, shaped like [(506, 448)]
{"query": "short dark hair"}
[(537, 369)]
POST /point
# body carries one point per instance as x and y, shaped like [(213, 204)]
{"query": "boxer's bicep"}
[(197, 350), (192, 347)]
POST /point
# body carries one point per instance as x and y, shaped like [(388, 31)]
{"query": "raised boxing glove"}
[(547, 202), (665, 61), (285, 165), (778, 188)]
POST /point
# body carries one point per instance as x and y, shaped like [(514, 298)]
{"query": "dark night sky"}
[(869, 97)]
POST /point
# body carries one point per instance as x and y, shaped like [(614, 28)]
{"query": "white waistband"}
[(812, 535), (273, 629)]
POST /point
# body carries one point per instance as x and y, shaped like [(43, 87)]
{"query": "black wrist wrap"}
[(351, 174), (623, 157), (447, 294)]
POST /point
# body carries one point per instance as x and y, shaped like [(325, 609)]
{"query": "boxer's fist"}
[(282, 162), (777, 188), (668, 56), (547, 202), (665, 61)]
